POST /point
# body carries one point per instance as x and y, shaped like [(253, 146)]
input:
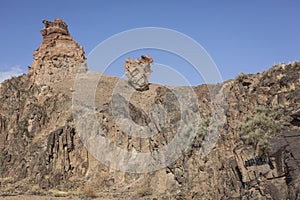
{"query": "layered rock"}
[(42, 153), (138, 72), (59, 57)]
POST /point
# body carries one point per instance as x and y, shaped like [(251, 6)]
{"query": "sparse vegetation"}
[(202, 131), (295, 65), (275, 69), (279, 77), (261, 126), (203, 128), (292, 87), (241, 76)]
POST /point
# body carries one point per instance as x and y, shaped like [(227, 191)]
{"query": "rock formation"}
[(138, 72), (58, 57), (41, 152)]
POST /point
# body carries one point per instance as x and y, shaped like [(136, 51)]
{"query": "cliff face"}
[(257, 154)]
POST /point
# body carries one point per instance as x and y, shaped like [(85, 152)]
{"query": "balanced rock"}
[(138, 72), (58, 57)]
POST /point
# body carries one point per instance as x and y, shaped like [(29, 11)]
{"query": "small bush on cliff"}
[(203, 128), (202, 131), (261, 126), (241, 76)]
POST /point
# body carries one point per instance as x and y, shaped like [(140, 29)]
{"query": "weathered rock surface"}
[(138, 72), (59, 57), (42, 153)]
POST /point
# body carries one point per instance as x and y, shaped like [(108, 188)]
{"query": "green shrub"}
[(261, 126), (203, 128)]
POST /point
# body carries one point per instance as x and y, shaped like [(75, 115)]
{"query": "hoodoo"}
[(58, 57), (138, 72)]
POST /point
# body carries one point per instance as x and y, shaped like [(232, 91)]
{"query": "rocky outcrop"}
[(267, 176), (37, 138), (138, 72), (59, 57), (42, 153)]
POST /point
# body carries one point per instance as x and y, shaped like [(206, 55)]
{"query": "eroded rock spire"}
[(138, 72), (59, 57)]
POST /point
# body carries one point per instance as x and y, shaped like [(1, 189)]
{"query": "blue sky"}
[(240, 36)]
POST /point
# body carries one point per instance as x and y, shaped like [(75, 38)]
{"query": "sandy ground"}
[(32, 197)]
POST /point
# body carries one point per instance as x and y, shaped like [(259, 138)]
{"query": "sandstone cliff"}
[(257, 154)]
